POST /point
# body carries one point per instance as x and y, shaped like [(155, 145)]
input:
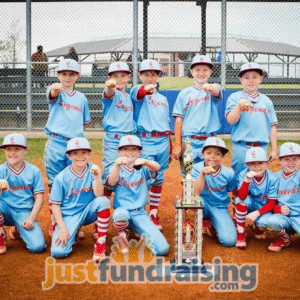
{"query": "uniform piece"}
[(216, 200), (16, 203)]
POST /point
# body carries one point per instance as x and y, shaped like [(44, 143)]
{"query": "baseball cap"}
[(118, 66), (201, 60), (255, 154), (14, 139), (68, 64), (215, 142), (149, 64), (289, 149), (130, 140), (251, 66), (78, 143)]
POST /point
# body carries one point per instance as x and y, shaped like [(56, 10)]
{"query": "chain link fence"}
[(172, 32)]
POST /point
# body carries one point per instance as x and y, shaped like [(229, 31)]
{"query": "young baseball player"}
[(257, 195), (131, 178), (252, 116), (195, 111), (213, 181), (69, 113), (76, 201), (21, 195), (151, 113), (286, 218)]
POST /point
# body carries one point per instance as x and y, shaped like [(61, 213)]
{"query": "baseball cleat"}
[(207, 228), (260, 234), (241, 240), (279, 243), (156, 222), (99, 252), (14, 233), (2, 243), (95, 232)]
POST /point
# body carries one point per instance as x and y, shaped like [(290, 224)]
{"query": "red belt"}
[(156, 134), (65, 138), (255, 144), (202, 137)]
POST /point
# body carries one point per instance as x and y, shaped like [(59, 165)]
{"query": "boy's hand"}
[(110, 83), (28, 224), (285, 210), (253, 216), (57, 88), (177, 151), (150, 88), (140, 162), (63, 237), (4, 186), (95, 170), (272, 155), (121, 161), (245, 105), (250, 174), (208, 170), (207, 88)]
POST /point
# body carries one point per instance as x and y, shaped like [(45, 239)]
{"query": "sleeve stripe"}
[(39, 192), (54, 202)]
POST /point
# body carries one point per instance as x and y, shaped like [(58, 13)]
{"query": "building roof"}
[(177, 44)]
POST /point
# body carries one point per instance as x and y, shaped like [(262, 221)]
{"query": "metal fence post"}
[(135, 41), (28, 64), (223, 46)]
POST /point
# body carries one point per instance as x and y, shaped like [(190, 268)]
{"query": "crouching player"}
[(213, 182), (21, 195), (286, 218), (131, 178), (257, 195), (76, 201)]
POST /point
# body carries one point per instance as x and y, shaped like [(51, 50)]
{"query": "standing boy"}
[(195, 111), (131, 178), (21, 195), (286, 218), (151, 113), (69, 113), (76, 201)]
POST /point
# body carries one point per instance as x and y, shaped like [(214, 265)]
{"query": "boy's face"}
[(15, 155), (132, 153), (201, 74), (67, 78), (79, 158), (251, 81), (290, 163), (148, 77), (259, 167), (212, 157), (121, 79)]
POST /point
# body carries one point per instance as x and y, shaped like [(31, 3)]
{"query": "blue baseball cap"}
[(118, 66), (215, 142), (130, 140), (255, 154), (14, 139), (251, 66), (289, 149), (68, 65), (149, 64), (201, 60), (78, 143)]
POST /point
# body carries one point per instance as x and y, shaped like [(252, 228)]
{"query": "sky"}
[(59, 24)]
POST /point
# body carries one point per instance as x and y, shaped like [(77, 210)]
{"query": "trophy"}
[(188, 217)]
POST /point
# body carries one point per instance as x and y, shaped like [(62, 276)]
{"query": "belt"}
[(64, 137), (254, 144), (202, 137), (155, 134)]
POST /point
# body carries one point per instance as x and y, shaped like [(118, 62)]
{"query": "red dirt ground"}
[(22, 273)]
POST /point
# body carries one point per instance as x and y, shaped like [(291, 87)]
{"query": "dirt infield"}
[(22, 273)]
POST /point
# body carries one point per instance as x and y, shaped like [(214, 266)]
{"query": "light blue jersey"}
[(254, 125), (118, 114), (151, 113), (72, 191), (131, 190), (217, 185), (198, 110), (23, 185), (68, 114), (263, 190), (289, 191)]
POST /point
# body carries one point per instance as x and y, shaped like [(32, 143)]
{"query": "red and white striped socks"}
[(102, 225), (155, 195)]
